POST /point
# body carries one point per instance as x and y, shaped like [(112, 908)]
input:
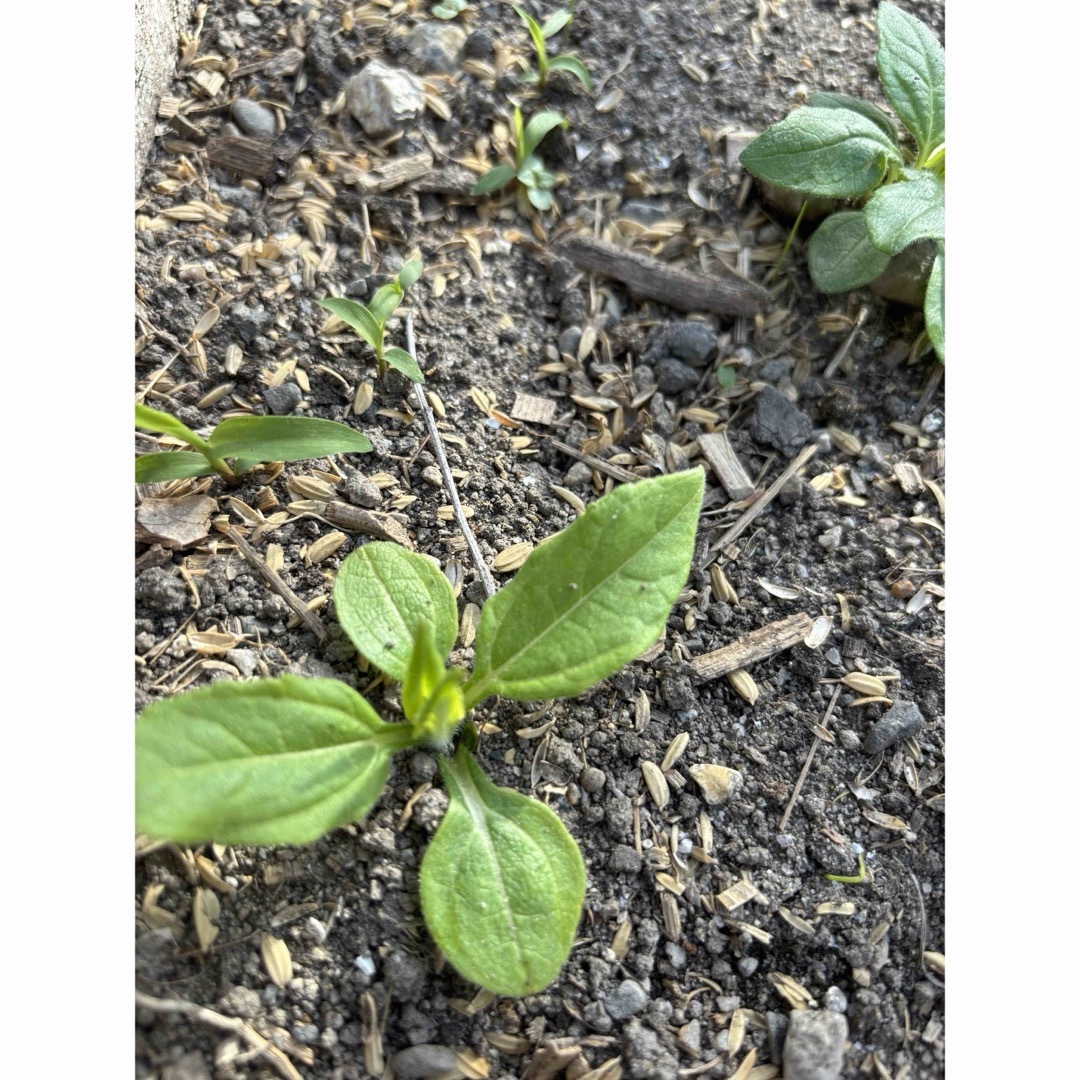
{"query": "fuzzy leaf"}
[(277, 761), (409, 273), (404, 362), (285, 438), (911, 65), (911, 209), (840, 254), (357, 316), (535, 130), (165, 465), (493, 179), (835, 153), (385, 301), (539, 197), (593, 597), (554, 23), (827, 99), (501, 884), (381, 594), (574, 66), (934, 304)]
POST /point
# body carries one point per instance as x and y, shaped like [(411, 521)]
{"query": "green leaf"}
[(381, 594), (494, 179), (285, 438), (385, 301), (501, 884), (405, 363), (166, 424), (425, 671), (827, 99), (574, 66), (554, 23), (934, 304), (277, 761), (593, 597), (357, 316), (409, 273), (539, 197), (431, 696), (840, 255), (911, 65), (447, 9), (912, 209), (835, 153), (535, 130), (536, 34), (165, 465)]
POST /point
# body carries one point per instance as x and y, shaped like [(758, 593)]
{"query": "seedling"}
[(369, 320), (527, 169), (545, 64), (243, 440), (842, 147), (284, 760), (448, 9)]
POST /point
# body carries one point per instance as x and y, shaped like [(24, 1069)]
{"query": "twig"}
[(928, 392), (616, 472), (809, 758), (444, 467), (835, 362), (771, 492), (307, 617), (759, 644), (262, 1046)]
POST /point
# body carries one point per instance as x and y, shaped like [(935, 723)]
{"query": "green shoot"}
[(545, 64), (527, 169)]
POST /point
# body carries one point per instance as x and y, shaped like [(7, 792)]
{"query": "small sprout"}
[(844, 148), (244, 440), (850, 879), (448, 9), (369, 320), (527, 169), (545, 64)]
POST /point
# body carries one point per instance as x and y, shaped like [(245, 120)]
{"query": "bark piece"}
[(757, 645)]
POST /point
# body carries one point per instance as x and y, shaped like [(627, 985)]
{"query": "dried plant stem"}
[(757, 645), (444, 467), (838, 359), (809, 758), (787, 244)]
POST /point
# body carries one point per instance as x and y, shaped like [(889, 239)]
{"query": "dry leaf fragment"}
[(208, 872), (276, 959), (158, 917)]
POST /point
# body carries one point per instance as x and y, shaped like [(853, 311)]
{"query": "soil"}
[(658, 984)]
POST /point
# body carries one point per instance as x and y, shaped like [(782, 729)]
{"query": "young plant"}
[(243, 440), (842, 147), (284, 760), (545, 64), (369, 320), (527, 169), (448, 9)]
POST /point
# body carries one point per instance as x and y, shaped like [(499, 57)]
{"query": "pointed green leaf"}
[(424, 672), (840, 254), (431, 696), (535, 130), (385, 301), (554, 23), (835, 153), (540, 197), (501, 884), (285, 438), (165, 465), (911, 64), (405, 363), (535, 33), (827, 99), (409, 273), (593, 597), (574, 66), (355, 315), (912, 209), (493, 179), (278, 761), (934, 304), (165, 424), (381, 594)]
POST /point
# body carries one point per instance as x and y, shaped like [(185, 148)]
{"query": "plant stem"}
[(787, 244), (852, 879)]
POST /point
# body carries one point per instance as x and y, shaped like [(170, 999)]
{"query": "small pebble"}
[(902, 721), (747, 966), (673, 376), (830, 539), (592, 779), (431, 475), (382, 99), (437, 46), (427, 1059), (835, 1000), (814, 1047), (254, 119), (281, 400), (626, 1000)]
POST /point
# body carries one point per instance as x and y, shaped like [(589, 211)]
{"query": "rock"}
[(569, 340), (246, 661), (249, 322), (626, 1000), (814, 1047), (835, 1000), (254, 119), (901, 722), (673, 376), (427, 1059), (624, 859), (382, 99), (362, 492), (777, 423), (480, 44), (159, 591), (693, 342), (579, 476), (904, 279), (830, 538), (409, 978), (717, 782), (592, 779), (281, 400), (174, 523), (572, 308), (191, 1066), (240, 1001), (437, 46)]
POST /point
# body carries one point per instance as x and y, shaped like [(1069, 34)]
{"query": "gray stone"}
[(693, 342), (814, 1047), (249, 322), (158, 590), (248, 19), (646, 1057), (281, 400), (676, 954), (626, 1000), (382, 99), (835, 1000), (624, 859), (902, 721), (437, 46), (830, 538), (592, 779), (579, 476), (427, 1059), (240, 1001), (246, 661), (408, 976), (569, 340), (254, 119), (673, 376), (480, 44), (777, 423), (362, 492)]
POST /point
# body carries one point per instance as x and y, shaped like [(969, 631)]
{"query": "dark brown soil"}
[(493, 313)]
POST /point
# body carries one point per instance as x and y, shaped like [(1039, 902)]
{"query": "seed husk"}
[(276, 959), (867, 685), (743, 685), (657, 784)]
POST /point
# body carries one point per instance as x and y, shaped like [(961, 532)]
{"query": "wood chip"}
[(533, 409), (754, 646), (724, 462), (737, 895), (177, 524), (276, 959)]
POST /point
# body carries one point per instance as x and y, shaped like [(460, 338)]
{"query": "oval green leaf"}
[(278, 761), (501, 884), (493, 179), (555, 22), (166, 465), (593, 597), (840, 254), (385, 301), (285, 438), (409, 273), (934, 304), (835, 153), (535, 130), (911, 65), (405, 363), (574, 66), (828, 99), (912, 209), (355, 315), (382, 593)]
